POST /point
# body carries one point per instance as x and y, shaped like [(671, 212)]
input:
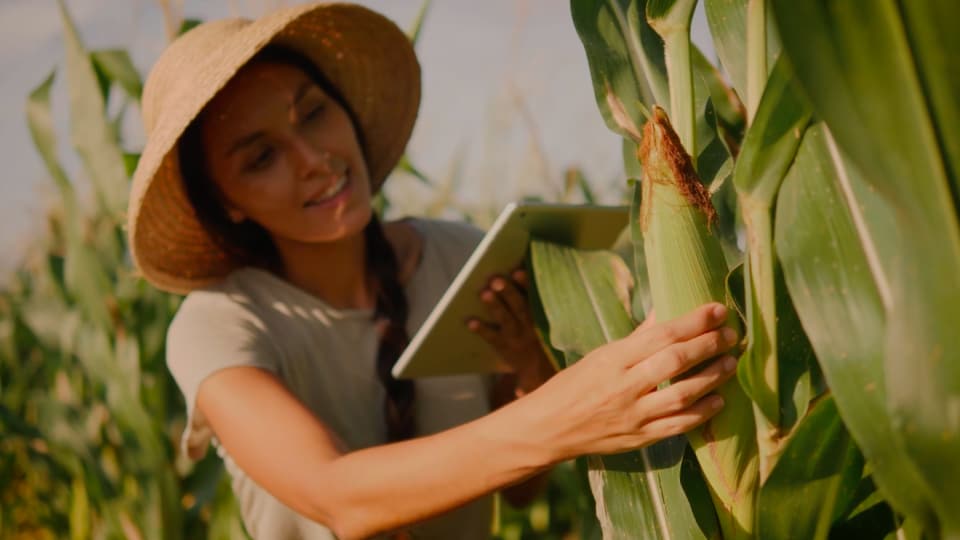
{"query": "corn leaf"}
[(115, 65), (40, 122), (830, 257), (585, 296), (814, 483), (728, 26), (83, 276), (626, 60), (773, 367), (417, 26), (90, 130), (883, 77)]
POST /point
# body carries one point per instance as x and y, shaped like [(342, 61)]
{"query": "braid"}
[(391, 316)]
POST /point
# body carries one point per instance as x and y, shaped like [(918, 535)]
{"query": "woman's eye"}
[(261, 160), (313, 113)]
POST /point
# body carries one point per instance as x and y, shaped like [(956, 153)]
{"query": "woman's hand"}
[(608, 402), (510, 330)]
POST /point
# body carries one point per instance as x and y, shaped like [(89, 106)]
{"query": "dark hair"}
[(250, 244)]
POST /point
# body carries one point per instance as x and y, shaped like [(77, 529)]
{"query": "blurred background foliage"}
[(90, 418)]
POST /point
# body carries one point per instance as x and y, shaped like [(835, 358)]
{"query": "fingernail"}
[(716, 402), (720, 311), (487, 296), (729, 335), (729, 363), (498, 285)]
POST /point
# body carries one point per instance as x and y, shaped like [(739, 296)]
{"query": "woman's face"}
[(285, 154)]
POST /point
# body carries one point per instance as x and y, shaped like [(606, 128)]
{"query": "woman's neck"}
[(335, 272)]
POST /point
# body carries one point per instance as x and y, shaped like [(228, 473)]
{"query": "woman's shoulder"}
[(449, 238), (229, 302)]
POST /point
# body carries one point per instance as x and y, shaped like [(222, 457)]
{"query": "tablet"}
[(443, 345)]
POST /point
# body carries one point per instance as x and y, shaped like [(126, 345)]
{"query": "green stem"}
[(676, 45), (756, 54), (761, 303)]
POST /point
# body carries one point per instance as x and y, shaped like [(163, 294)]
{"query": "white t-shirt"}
[(327, 359)]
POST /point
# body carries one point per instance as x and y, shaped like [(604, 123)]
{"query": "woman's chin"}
[(350, 221)]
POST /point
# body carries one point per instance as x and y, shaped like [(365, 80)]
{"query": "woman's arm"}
[(606, 403)]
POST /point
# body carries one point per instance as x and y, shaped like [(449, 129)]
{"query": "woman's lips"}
[(332, 194)]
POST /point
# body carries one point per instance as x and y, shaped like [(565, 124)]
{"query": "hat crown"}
[(175, 74), (364, 55)]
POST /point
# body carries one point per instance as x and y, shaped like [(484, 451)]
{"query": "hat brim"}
[(363, 54)]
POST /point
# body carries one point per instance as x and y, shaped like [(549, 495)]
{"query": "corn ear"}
[(687, 268)]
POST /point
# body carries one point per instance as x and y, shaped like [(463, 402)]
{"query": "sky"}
[(507, 102)]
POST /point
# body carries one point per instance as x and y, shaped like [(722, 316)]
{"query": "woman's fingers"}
[(487, 331), (512, 297), (497, 310), (686, 392), (645, 341), (683, 421), (520, 277), (678, 358)]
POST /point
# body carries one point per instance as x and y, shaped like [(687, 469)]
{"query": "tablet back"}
[(444, 345)]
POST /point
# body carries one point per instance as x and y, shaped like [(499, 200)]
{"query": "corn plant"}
[(812, 184)]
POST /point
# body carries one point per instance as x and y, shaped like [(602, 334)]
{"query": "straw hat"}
[(362, 53)]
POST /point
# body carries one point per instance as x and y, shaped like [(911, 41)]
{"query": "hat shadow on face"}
[(245, 242)]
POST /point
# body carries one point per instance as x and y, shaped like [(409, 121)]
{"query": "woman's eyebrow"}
[(302, 91), (251, 138)]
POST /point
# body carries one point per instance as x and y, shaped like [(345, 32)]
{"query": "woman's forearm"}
[(386, 487)]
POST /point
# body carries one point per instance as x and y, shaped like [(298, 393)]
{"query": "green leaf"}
[(40, 122), (731, 116), (573, 282), (639, 494), (728, 26), (116, 66), (188, 25), (574, 180), (90, 129), (883, 78), (626, 60), (814, 482), (79, 510), (775, 360), (642, 298), (84, 276), (830, 260), (773, 138), (671, 20), (417, 26), (407, 166)]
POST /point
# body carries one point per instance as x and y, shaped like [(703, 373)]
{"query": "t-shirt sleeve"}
[(211, 331)]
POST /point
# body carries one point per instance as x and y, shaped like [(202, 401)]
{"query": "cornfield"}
[(810, 181), (89, 415)]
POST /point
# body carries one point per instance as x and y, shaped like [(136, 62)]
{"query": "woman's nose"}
[(312, 161)]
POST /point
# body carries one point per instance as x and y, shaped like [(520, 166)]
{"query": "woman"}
[(265, 142)]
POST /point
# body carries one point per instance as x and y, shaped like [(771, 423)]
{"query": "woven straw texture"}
[(364, 55)]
